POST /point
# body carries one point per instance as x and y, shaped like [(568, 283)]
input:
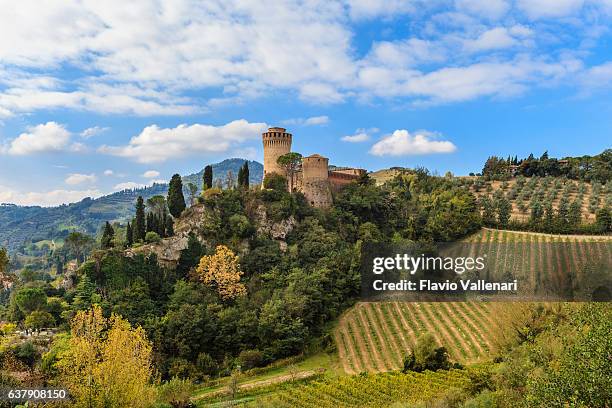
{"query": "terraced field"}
[(375, 337), (373, 390)]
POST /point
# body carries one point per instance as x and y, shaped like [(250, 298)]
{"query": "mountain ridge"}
[(20, 225)]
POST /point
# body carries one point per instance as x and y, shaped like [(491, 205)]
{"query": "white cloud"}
[(356, 138), (108, 172), (93, 131), (549, 8), (402, 143), (46, 198), (152, 58), (495, 38), (155, 144), (48, 137), (311, 121), (493, 9), (151, 174), (76, 178)]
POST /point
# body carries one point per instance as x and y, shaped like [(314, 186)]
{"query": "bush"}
[(176, 393), (152, 237), (250, 359), (275, 181), (427, 356)]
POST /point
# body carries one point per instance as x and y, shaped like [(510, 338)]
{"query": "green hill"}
[(20, 225)]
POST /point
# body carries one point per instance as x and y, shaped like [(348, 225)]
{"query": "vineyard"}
[(372, 390), (523, 192), (544, 263), (375, 337)]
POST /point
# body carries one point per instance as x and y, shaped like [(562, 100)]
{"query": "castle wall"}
[(315, 182), (340, 178), (276, 142)]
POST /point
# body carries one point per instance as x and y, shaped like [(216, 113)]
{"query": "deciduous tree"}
[(221, 270)]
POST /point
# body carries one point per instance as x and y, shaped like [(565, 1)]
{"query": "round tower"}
[(315, 180), (276, 142)]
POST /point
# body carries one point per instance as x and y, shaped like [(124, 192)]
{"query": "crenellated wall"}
[(276, 142)]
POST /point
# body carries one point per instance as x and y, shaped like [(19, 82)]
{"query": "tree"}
[(603, 219), (208, 177), (139, 224), (291, 162), (504, 209), (107, 362), (29, 300), (275, 181), (222, 271), (107, 236), (575, 213), (77, 244), (152, 237), (39, 319), (129, 235), (193, 192), (427, 356), (4, 261), (243, 176), (176, 200), (537, 212), (488, 211), (169, 226)]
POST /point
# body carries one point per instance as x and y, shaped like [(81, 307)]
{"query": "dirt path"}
[(260, 383)]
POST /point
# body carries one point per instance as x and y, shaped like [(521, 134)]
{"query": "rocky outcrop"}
[(168, 250), (277, 230)]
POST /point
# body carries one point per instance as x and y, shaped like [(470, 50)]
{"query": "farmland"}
[(524, 192), (373, 390), (375, 337)]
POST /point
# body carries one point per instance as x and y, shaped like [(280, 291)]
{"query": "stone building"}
[(316, 180)]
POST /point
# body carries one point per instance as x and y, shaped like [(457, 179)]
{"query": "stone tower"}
[(276, 142), (315, 181)]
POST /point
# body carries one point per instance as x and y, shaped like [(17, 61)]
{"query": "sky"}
[(98, 96)]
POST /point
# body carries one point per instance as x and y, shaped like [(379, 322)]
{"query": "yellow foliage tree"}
[(107, 363), (222, 271)]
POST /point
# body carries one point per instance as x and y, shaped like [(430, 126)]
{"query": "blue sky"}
[(99, 96)]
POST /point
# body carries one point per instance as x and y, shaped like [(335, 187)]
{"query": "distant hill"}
[(24, 224)]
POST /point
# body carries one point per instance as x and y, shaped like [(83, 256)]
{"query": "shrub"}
[(250, 359), (275, 182), (152, 237)]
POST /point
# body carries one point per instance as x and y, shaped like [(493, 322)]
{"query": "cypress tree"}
[(107, 236), (208, 177), (245, 175), (129, 235), (169, 227), (176, 200), (241, 176), (139, 224)]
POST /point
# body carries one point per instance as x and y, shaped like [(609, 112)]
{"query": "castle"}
[(315, 179)]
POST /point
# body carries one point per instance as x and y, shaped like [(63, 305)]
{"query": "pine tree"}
[(139, 224), (176, 200), (129, 235), (208, 177), (107, 236)]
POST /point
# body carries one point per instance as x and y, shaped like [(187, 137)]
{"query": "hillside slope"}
[(21, 224)]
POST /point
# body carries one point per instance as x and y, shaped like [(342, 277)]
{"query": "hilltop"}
[(24, 224)]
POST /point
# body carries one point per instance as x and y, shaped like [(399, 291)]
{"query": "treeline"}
[(588, 168)]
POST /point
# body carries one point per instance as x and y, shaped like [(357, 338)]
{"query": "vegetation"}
[(176, 200)]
